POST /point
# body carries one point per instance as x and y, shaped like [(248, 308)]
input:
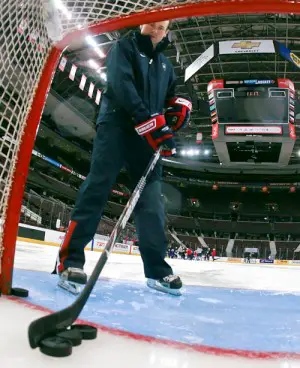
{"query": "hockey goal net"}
[(33, 36)]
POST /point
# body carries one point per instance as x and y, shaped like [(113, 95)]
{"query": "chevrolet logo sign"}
[(246, 45)]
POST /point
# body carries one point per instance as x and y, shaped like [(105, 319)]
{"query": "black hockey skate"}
[(170, 284), (72, 279)]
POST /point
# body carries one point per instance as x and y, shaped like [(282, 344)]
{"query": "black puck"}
[(74, 336), (87, 332), (22, 293), (56, 346)]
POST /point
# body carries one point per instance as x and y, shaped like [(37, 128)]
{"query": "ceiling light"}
[(92, 63), (191, 152), (59, 5), (99, 52), (206, 152), (91, 41), (103, 76)]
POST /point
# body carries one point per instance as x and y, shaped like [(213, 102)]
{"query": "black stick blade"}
[(50, 324)]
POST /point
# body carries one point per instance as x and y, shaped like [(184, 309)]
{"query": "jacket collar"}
[(145, 44)]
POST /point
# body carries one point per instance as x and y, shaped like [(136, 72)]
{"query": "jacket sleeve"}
[(172, 86), (121, 82)]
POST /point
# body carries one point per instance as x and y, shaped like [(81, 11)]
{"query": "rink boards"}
[(97, 245)]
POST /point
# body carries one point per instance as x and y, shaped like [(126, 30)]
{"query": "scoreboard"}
[(256, 112)]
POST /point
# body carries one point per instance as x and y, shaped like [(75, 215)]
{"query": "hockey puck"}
[(87, 332), (56, 346), (74, 336), (22, 293)]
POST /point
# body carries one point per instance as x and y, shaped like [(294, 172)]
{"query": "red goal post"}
[(29, 54)]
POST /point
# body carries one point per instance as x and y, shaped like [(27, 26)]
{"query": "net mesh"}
[(28, 30)]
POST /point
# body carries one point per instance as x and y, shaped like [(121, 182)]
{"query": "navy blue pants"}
[(113, 148)]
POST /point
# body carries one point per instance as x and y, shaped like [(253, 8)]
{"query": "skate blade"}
[(153, 284), (71, 287)]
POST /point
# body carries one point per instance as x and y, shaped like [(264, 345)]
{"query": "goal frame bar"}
[(203, 8)]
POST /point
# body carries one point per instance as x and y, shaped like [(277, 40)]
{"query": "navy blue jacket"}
[(139, 81)]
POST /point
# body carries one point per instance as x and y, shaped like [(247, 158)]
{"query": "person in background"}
[(172, 253), (207, 254), (182, 251), (199, 252), (189, 254)]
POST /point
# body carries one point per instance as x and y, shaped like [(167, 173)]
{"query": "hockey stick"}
[(64, 318)]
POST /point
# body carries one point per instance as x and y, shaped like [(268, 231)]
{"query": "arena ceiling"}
[(191, 37)]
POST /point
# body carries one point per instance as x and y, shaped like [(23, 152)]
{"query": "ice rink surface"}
[(230, 315)]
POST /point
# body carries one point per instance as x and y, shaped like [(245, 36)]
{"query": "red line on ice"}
[(173, 344)]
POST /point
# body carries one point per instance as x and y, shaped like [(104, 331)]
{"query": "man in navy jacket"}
[(131, 126)]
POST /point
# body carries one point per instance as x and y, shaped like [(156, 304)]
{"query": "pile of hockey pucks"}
[(61, 343)]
